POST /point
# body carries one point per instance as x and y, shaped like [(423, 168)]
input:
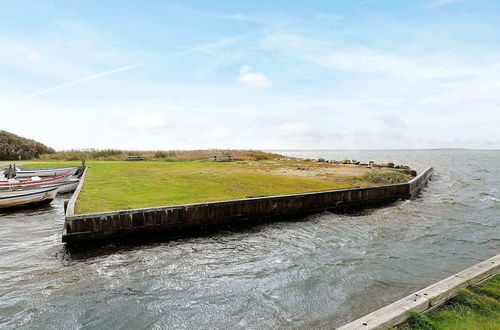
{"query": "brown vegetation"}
[(167, 155), (355, 174)]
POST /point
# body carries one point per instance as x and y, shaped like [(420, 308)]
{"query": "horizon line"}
[(278, 149)]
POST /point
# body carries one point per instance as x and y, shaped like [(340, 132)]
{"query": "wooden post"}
[(9, 172)]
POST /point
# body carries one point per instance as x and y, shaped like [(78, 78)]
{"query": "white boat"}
[(33, 197), (68, 186), (33, 182), (63, 186), (20, 173)]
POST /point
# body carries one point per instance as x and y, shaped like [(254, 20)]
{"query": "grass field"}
[(119, 185), (474, 308)]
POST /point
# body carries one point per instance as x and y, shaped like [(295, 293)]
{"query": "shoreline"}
[(112, 186), (80, 229)]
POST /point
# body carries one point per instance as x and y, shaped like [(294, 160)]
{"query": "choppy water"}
[(317, 272)]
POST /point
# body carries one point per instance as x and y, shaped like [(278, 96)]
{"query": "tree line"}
[(14, 147)]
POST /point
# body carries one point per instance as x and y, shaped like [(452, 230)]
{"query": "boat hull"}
[(68, 187), (62, 187), (45, 172), (32, 184), (27, 198)]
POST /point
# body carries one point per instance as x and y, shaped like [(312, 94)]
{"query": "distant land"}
[(14, 147)]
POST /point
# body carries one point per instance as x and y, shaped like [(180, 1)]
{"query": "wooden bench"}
[(221, 158), (134, 158)]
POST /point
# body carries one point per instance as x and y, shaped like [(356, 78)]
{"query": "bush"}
[(385, 177)]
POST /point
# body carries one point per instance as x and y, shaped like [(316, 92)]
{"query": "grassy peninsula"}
[(475, 308), (118, 185)]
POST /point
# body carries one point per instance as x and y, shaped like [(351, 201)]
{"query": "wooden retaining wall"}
[(167, 220)]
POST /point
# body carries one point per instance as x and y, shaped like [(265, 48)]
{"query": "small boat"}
[(63, 187), (20, 173), (14, 184), (33, 197)]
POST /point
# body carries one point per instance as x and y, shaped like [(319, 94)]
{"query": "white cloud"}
[(481, 89), (364, 60), (253, 79), (330, 17), (218, 43), (151, 120), (218, 133), (443, 2), (376, 62), (390, 121), (237, 17), (297, 131), (17, 53), (387, 91), (311, 121)]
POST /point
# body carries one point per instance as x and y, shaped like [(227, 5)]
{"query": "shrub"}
[(385, 177)]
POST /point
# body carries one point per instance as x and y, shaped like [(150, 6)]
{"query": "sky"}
[(359, 74)]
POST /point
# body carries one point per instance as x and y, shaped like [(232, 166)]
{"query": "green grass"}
[(118, 185), (475, 308)]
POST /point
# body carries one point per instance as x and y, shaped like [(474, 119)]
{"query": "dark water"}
[(317, 272)]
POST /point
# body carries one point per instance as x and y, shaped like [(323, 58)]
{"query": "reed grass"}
[(116, 155), (472, 309)]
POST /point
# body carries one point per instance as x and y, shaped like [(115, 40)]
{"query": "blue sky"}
[(360, 74)]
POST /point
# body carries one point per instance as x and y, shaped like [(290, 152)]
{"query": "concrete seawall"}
[(82, 229), (426, 299), (70, 207)]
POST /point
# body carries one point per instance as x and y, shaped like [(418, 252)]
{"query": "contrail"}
[(211, 45), (130, 67), (74, 82)]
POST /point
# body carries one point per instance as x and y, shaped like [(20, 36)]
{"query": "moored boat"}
[(64, 187), (15, 184), (10, 199), (27, 173)]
